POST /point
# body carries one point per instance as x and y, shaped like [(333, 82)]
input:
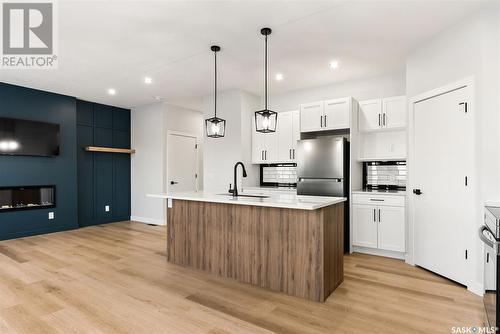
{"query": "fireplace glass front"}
[(27, 197)]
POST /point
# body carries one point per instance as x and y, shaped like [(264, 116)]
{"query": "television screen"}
[(22, 137)]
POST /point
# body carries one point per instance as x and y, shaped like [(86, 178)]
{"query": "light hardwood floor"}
[(115, 279)]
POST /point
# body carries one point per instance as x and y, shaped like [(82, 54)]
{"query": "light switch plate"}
[(106, 208), (51, 215)]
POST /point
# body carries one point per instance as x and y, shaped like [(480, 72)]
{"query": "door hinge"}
[(466, 254), (463, 107)]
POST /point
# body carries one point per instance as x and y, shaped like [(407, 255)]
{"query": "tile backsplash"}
[(279, 174)]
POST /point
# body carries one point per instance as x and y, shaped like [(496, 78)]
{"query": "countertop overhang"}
[(286, 201)]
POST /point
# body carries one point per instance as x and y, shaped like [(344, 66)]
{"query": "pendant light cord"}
[(215, 85), (265, 72)]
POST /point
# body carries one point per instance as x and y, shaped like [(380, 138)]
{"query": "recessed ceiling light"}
[(148, 80), (279, 76), (334, 64), (112, 91)]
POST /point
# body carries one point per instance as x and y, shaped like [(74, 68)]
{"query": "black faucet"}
[(235, 190)]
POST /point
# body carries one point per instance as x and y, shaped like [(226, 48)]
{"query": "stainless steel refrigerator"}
[(323, 170), (323, 167)]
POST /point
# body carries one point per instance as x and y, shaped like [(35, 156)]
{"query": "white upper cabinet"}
[(264, 146), (370, 115), (394, 112), (288, 134), (280, 146), (311, 116), (382, 114), (337, 114), (326, 115)]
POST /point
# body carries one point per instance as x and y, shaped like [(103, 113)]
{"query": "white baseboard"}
[(379, 252), (476, 288), (146, 220)]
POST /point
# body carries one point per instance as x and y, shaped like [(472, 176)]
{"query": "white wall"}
[(150, 125), (220, 154), (470, 48), (363, 89), (147, 163)]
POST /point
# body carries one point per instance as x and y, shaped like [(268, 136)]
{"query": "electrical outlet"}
[(106, 208), (51, 215)]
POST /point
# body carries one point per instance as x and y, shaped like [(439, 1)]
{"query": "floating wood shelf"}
[(109, 149)]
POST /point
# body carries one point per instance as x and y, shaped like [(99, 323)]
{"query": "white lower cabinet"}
[(379, 222), (365, 227)]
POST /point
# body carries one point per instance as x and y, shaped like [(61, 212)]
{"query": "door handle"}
[(417, 192), (173, 182)]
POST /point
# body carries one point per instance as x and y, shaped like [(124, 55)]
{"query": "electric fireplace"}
[(27, 197)]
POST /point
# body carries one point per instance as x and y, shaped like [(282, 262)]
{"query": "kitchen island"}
[(287, 243)]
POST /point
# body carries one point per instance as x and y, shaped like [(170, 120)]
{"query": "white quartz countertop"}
[(287, 201), (380, 192)]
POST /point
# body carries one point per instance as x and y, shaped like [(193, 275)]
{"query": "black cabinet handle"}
[(383, 120), (379, 120), (173, 182), (325, 121), (417, 192), (321, 122), (374, 215)]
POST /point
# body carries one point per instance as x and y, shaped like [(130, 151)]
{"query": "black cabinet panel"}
[(85, 176), (103, 116), (121, 139), (121, 198), (103, 186), (103, 137), (121, 119), (84, 113)]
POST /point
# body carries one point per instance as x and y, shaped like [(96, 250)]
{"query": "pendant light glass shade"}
[(266, 120), (215, 126)]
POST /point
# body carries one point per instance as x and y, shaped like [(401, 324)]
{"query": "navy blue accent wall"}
[(103, 178), (30, 104)]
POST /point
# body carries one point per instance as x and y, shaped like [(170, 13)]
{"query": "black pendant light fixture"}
[(266, 120), (215, 126)]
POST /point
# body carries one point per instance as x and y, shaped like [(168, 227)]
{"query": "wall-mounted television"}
[(23, 137)]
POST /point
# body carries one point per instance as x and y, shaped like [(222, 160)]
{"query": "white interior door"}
[(181, 163), (443, 152)]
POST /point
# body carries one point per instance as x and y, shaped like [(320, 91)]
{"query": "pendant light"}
[(265, 120), (215, 126)]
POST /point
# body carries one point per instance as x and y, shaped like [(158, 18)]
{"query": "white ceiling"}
[(104, 44)]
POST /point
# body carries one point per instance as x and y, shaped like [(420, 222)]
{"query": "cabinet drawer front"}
[(375, 199)]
